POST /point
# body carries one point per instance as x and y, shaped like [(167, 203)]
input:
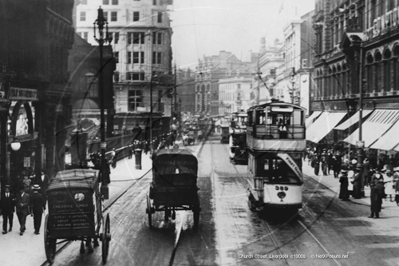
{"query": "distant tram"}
[(276, 143), (237, 138)]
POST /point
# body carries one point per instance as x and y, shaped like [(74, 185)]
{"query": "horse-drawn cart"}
[(75, 212)]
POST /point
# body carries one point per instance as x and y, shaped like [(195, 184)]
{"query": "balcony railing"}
[(383, 24)]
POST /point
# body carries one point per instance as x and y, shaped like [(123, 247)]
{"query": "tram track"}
[(107, 206), (279, 248)]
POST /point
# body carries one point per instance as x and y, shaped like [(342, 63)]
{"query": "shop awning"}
[(323, 125), (313, 116), (353, 120), (374, 126), (389, 140)]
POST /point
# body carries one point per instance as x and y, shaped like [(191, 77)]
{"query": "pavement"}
[(28, 249), (333, 184)]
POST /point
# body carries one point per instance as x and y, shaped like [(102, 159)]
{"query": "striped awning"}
[(353, 120), (374, 127)]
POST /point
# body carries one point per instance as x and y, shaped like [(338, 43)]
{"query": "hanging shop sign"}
[(25, 94)]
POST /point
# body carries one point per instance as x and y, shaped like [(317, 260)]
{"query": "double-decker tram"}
[(276, 143)]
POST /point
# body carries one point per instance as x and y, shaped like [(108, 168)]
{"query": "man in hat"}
[(37, 206), (7, 208), (343, 191), (22, 209), (376, 194)]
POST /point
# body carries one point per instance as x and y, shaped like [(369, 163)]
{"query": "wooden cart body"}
[(174, 183)]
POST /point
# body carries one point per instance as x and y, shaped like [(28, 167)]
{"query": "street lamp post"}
[(151, 144), (360, 144), (102, 39)]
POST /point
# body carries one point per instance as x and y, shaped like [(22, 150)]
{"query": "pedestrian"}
[(396, 183), (43, 183), (22, 204), (7, 209), (376, 195), (389, 185), (113, 157), (27, 183), (37, 207), (343, 190), (324, 165), (316, 164), (336, 165), (130, 147)]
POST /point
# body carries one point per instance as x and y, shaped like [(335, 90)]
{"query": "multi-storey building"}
[(185, 89), (209, 70), (234, 95), (264, 84), (36, 37), (141, 42), (284, 70), (357, 52)]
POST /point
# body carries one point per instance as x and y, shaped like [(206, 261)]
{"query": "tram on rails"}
[(237, 138), (276, 143)]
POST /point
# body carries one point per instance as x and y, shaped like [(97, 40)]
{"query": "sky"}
[(205, 27)]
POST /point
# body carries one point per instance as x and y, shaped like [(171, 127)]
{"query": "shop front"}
[(22, 136)]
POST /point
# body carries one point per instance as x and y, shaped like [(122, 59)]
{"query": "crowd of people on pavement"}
[(25, 197), (379, 172), (28, 200)]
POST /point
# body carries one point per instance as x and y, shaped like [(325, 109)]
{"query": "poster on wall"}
[(26, 161)]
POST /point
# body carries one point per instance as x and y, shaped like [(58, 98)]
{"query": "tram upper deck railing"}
[(293, 132)]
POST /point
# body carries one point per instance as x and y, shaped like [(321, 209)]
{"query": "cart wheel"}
[(149, 211), (49, 243), (82, 247), (106, 237)]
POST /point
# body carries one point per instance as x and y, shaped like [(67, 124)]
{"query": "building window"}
[(138, 37), (136, 57), (156, 57), (159, 17), (116, 37), (136, 16), (157, 38), (105, 2), (135, 76), (105, 15), (85, 35), (82, 16), (135, 99), (92, 82), (116, 56), (154, 2), (116, 77), (129, 57), (115, 2), (114, 16)]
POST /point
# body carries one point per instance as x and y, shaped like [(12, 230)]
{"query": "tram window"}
[(297, 117), (260, 117), (250, 114), (266, 165)]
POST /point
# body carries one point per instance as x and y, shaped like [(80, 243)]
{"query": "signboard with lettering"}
[(23, 94), (71, 212)]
